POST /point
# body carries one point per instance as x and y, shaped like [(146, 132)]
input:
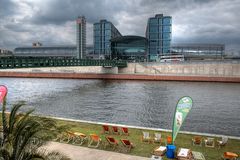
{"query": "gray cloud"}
[(53, 21), (59, 12), (7, 8)]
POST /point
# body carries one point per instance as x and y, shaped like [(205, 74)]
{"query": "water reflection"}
[(142, 103)]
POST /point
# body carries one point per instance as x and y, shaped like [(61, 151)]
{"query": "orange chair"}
[(94, 139), (106, 129), (230, 156), (169, 140), (112, 141), (127, 144), (197, 140), (115, 130), (125, 131)]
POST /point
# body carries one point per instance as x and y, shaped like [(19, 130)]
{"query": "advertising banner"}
[(3, 93), (183, 107)]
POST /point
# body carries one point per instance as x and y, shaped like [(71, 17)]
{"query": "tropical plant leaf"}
[(24, 135)]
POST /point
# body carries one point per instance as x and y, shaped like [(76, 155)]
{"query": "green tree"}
[(23, 136)]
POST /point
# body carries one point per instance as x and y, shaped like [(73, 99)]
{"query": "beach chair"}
[(115, 130), (197, 141), (223, 142), (229, 156), (80, 138), (157, 138), (125, 131), (66, 137), (106, 129), (112, 142), (209, 142), (169, 140), (127, 144), (146, 137), (94, 139)]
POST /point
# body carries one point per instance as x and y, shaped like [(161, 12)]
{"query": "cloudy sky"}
[(52, 22)]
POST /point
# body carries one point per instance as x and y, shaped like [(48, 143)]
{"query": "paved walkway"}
[(80, 153)]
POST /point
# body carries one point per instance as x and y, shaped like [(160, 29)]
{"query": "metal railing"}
[(17, 62)]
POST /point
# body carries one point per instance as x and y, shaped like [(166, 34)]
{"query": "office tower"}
[(158, 33), (81, 37), (103, 32)]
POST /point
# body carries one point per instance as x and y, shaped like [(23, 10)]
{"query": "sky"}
[(52, 22)]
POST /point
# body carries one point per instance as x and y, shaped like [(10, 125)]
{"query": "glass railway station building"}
[(109, 43), (131, 48)]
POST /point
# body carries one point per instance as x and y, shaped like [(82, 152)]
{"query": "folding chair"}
[(111, 141), (66, 137), (157, 138), (115, 130), (80, 138), (94, 139), (223, 142), (106, 129), (125, 131), (197, 140), (209, 142), (127, 144), (229, 156), (146, 137)]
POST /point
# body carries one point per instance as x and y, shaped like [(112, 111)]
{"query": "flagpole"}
[(174, 120)]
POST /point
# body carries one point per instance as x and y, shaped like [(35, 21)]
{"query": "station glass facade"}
[(131, 48), (199, 50), (159, 33), (51, 51), (104, 31)]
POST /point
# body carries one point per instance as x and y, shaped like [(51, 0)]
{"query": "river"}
[(215, 110)]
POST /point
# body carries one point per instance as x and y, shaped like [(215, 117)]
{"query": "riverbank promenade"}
[(77, 153)]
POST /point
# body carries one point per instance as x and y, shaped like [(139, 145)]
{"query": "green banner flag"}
[(183, 107)]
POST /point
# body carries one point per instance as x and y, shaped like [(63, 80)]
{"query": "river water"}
[(216, 107)]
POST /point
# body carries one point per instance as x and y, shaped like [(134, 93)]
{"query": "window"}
[(160, 21), (167, 21), (96, 26), (108, 26), (107, 45), (152, 43), (107, 32), (153, 21), (153, 28), (97, 38), (166, 36), (97, 33), (166, 28), (96, 45), (153, 36), (166, 43), (153, 50)]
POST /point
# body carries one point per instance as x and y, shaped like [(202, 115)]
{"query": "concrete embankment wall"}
[(217, 72), (198, 69), (88, 69)]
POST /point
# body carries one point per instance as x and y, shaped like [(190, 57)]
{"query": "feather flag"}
[(183, 107), (3, 93)]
